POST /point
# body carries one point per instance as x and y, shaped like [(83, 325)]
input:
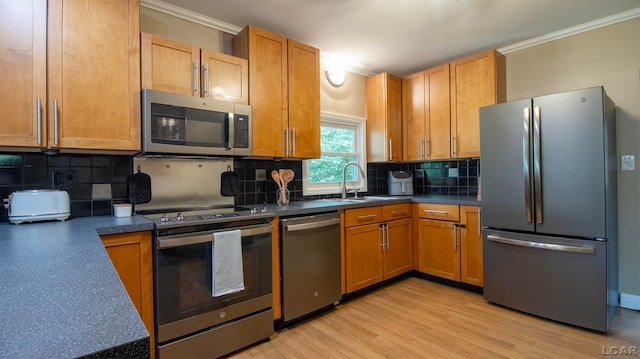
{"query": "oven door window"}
[(189, 127), (183, 279)]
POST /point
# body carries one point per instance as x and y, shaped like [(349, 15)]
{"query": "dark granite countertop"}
[(61, 296)]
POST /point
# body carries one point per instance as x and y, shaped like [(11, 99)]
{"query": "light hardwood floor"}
[(415, 318)]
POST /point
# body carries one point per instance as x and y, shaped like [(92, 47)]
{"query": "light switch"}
[(628, 163)]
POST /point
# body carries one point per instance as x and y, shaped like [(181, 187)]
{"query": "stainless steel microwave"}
[(174, 124)]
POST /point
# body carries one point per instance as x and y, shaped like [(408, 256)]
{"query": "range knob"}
[(164, 218), (253, 210), (264, 209), (179, 217)]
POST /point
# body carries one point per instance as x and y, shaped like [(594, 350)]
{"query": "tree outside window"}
[(342, 141)]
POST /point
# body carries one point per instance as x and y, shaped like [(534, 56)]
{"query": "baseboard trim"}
[(630, 301)]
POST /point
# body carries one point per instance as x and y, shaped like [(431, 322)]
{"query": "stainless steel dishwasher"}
[(310, 264)]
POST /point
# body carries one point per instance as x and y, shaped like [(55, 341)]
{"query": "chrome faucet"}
[(344, 175)]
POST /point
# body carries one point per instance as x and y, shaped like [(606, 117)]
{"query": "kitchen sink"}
[(360, 199)]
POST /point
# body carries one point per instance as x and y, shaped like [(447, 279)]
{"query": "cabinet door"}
[(398, 256), (268, 87), (384, 117), (471, 243), (476, 81), (413, 113), (225, 77), (23, 72), (169, 65), (94, 74), (363, 257), (438, 144), (304, 100), (131, 256), (439, 249)]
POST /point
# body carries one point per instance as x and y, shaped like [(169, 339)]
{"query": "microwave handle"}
[(230, 125)]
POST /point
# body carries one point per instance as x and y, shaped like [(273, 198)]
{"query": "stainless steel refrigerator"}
[(549, 206)]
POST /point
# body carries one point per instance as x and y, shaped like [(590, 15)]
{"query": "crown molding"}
[(190, 16), (587, 26)]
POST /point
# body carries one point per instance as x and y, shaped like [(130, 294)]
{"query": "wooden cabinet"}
[(449, 242), (178, 67), (74, 71), (377, 244), (383, 95), (284, 93), (131, 256), (471, 243), (476, 81), (426, 115)]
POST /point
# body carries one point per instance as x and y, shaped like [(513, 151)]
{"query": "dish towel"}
[(226, 256)]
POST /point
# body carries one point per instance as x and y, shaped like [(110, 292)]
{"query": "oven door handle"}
[(182, 240)]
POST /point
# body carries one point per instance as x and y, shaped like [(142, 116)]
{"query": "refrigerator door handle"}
[(526, 162), (539, 245), (537, 179)]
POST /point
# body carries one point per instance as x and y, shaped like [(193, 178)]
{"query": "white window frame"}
[(351, 122)]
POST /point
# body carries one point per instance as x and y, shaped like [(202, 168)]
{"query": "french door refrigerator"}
[(549, 206)]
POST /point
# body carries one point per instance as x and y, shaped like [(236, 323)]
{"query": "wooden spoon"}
[(276, 177), (287, 176)]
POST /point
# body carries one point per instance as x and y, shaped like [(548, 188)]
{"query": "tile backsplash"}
[(95, 182)]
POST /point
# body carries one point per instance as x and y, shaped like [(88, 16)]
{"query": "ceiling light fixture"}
[(335, 77)]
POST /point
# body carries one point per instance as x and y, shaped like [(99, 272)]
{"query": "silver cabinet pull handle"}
[(38, 121), (381, 230), (433, 211), (455, 237), (206, 80), (399, 212), (369, 216), (453, 146), (293, 141), (387, 230), (526, 162), (539, 245), (537, 180), (426, 148), (196, 78), (55, 122), (390, 149), (422, 147)]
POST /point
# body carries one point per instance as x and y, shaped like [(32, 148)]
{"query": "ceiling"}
[(405, 36)]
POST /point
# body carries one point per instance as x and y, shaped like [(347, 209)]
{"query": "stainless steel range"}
[(212, 266)]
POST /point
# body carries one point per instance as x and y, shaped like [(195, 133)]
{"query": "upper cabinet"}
[(476, 81), (73, 67), (178, 67), (384, 118), (284, 93), (426, 115)]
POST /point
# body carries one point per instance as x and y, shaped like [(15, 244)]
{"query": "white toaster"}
[(37, 205)]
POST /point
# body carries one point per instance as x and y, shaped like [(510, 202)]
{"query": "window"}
[(342, 140)]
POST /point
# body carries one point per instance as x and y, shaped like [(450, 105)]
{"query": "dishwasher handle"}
[(311, 225)]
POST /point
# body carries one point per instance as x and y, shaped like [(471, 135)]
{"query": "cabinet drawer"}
[(444, 212), (396, 211), (360, 216)]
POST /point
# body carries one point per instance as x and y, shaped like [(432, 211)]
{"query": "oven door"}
[(183, 282)]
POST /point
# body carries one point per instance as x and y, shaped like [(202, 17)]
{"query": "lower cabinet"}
[(131, 255), (377, 244), (449, 242)]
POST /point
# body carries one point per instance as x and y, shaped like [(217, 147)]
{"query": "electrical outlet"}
[(63, 180), (261, 174), (453, 172), (628, 163)]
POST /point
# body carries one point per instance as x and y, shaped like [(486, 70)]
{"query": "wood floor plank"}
[(415, 318)]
